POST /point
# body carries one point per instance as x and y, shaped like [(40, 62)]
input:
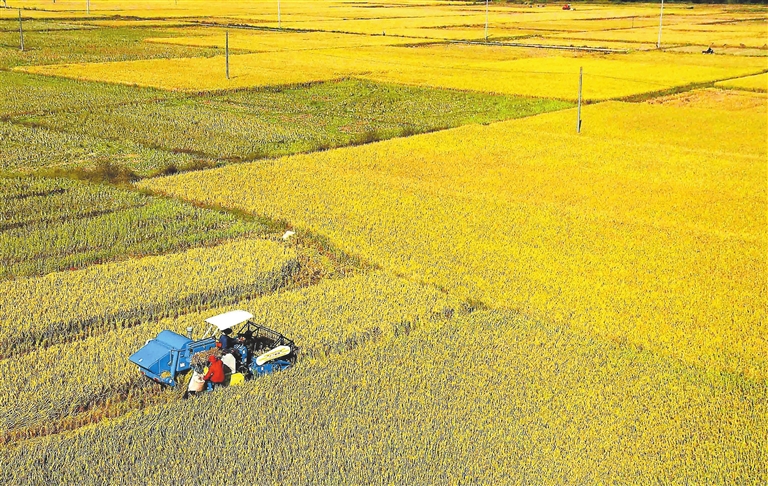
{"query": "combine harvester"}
[(169, 357)]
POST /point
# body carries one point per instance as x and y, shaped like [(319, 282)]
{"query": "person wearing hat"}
[(225, 340), (215, 375)]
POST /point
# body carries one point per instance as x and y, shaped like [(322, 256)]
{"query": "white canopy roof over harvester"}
[(229, 319)]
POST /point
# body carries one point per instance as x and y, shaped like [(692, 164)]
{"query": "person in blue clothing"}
[(226, 340)]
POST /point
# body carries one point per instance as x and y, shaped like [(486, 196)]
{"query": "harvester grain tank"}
[(259, 350)]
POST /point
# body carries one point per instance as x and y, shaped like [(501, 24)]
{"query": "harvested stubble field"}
[(58, 224), (247, 125), (502, 301)]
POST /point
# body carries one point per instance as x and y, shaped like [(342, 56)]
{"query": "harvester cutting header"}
[(221, 357)]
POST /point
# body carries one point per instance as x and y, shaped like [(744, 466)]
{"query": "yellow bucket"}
[(236, 379)]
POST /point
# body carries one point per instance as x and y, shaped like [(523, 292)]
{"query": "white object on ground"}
[(196, 383), (278, 352)]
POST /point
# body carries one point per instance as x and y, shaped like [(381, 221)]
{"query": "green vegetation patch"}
[(254, 124), (48, 225), (23, 93), (25, 149), (38, 25), (91, 45)]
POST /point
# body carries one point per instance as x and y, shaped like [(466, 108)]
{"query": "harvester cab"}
[(257, 350)]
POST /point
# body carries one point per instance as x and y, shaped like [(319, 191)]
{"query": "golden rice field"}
[(410, 409), (479, 294), (758, 82), (679, 35), (599, 230), (473, 68), (365, 308), (278, 42)]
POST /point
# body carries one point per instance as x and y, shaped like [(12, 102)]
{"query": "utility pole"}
[(88, 7), (486, 20), (226, 51), (278, 14), (578, 110), (21, 34), (661, 16)]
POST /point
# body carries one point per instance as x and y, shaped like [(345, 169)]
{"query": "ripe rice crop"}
[(605, 77), (638, 229), (474, 68), (584, 24), (331, 318), (759, 82), (617, 45), (198, 74), (525, 401), (674, 36), (121, 294), (511, 303), (49, 225)]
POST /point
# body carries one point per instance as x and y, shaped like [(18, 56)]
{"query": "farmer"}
[(215, 375), (226, 340)]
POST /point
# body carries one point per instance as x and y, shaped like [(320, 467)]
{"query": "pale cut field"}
[(473, 68), (339, 15), (639, 229), (614, 45), (758, 82), (390, 25), (718, 99)]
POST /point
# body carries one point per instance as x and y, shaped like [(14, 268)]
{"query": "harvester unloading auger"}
[(257, 350)]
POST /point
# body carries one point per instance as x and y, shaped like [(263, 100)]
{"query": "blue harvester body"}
[(168, 355)]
